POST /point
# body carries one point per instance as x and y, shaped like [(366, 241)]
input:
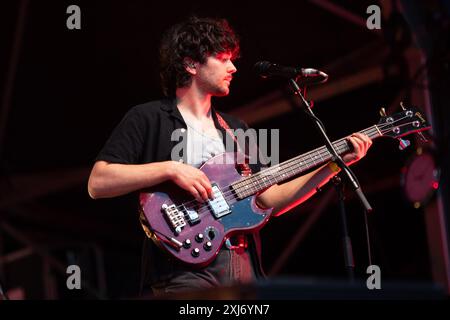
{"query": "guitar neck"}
[(278, 173)]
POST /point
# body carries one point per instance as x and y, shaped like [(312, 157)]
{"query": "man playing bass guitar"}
[(196, 59)]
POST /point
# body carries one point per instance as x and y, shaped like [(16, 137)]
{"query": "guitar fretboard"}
[(278, 173)]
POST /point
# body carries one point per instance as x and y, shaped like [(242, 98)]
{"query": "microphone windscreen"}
[(261, 68)]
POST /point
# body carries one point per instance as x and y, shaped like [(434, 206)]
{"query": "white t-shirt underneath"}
[(201, 146)]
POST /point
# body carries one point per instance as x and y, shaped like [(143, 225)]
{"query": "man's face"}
[(215, 75)]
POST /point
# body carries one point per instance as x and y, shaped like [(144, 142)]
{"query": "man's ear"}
[(190, 66)]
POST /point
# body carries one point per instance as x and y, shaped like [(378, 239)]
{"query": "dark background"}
[(71, 87)]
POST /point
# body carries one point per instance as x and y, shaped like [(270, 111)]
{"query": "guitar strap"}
[(237, 242), (243, 167)]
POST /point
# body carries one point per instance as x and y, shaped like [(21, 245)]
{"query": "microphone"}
[(266, 69)]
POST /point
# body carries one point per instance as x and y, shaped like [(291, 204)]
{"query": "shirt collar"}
[(170, 106)]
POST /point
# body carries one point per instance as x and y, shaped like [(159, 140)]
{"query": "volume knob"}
[(199, 237), (187, 243), (207, 245), (196, 252)]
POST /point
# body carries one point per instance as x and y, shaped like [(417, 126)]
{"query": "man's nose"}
[(232, 68)]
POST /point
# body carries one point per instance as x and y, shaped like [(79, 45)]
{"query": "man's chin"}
[(222, 92)]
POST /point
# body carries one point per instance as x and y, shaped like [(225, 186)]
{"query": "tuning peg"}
[(402, 106), (383, 112), (422, 137), (403, 144)]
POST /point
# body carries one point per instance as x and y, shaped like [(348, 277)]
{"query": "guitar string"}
[(229, 195), (370, 131), (287, 166), (340, 145), (204, 209)]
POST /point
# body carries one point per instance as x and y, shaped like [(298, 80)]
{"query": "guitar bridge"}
[(218, 205), (174, 216)]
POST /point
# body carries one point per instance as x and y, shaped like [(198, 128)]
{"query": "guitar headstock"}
[(409, 120)]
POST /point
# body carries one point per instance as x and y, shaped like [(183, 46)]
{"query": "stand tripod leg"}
[(3, 295), (346, 241)]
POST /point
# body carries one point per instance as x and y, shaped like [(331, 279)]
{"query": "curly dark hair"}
[(196, 38)]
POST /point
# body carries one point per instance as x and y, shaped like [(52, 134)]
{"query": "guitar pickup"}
[(218, 205), (191, 215)]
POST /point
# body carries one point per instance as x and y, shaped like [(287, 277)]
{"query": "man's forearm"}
[(113, 179), (285, 196)]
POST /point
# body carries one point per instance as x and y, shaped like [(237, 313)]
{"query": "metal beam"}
[(58, 225), (301, 233), (435, 214), (345, 14), (276, 103), (50, 262), (315, 210), (25, 187), (368, 58)]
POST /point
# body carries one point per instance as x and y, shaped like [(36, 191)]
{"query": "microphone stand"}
[(348, 175), (3, 295)]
